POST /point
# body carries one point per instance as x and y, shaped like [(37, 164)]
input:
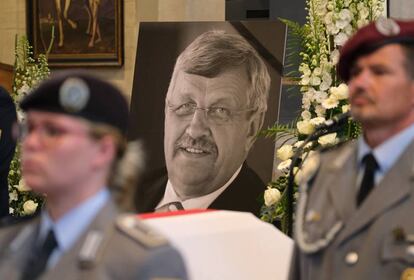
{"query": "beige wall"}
[(402, 9), (13, 21), (191, 10)]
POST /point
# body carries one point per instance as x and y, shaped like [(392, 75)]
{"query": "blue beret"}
[(79, 94)]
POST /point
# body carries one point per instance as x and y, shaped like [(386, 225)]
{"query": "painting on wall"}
[(77, 32)]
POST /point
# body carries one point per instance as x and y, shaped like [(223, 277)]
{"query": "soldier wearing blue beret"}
[(354, 214), (73, 142)]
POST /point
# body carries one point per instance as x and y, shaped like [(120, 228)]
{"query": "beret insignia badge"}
[(74, 95), (387, 26)]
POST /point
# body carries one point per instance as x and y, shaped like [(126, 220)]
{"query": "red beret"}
[(376, 34)]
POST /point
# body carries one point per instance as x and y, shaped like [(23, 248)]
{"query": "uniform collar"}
[(70, 226), (388, 152)]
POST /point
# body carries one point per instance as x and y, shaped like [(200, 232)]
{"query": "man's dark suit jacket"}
[(243, 194), (7, 146)]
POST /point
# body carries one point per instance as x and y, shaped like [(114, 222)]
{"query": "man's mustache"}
[(203, 143), (360, 93)]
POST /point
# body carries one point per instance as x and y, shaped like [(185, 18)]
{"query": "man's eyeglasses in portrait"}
[(216, 114)]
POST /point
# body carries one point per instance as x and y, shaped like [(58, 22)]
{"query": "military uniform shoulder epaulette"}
[(131, 226), (11, 221), (308, 169)]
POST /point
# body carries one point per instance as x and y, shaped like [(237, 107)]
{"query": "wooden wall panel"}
[(6, 76)]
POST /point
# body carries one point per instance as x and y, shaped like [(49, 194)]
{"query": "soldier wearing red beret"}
[(354, 218)]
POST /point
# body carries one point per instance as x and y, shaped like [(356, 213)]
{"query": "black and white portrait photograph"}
[(202, 92)]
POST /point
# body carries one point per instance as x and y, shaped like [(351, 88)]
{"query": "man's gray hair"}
[(216, 51)]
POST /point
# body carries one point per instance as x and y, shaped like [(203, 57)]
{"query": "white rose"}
[(317, 71), (22, 187), (320, 96), (340, 39), (341, 24), (271, 196), (284, 166), (315, 81), (348, 30), (310, 91), (317, 121), (320, 111), (329, 18), (324, 85), (13, 196), (11, 210), (305, 80), (321, 11), (306, 115), (364, 13), (330, 102), (305, 127), (328, 139), (285, 152), (21, 116), (29, 207), (304, 68), (298, 144), (346, 15), (306, 104), (335, 57), (362, 22), (340, 92), (327, 79), (345, 108), (23, 90), (330, 6)]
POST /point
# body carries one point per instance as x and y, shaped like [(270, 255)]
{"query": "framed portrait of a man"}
[(77, 32), (202, 91)]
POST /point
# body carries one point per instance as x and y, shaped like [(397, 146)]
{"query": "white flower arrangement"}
[(329, 25), (28, 72)]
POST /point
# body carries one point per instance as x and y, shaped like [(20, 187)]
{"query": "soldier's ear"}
[(106, 151), (255, 124)]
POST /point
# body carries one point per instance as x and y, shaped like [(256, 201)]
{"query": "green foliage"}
[(277, 130)]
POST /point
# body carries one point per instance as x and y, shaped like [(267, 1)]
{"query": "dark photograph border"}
[(159, 44)]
